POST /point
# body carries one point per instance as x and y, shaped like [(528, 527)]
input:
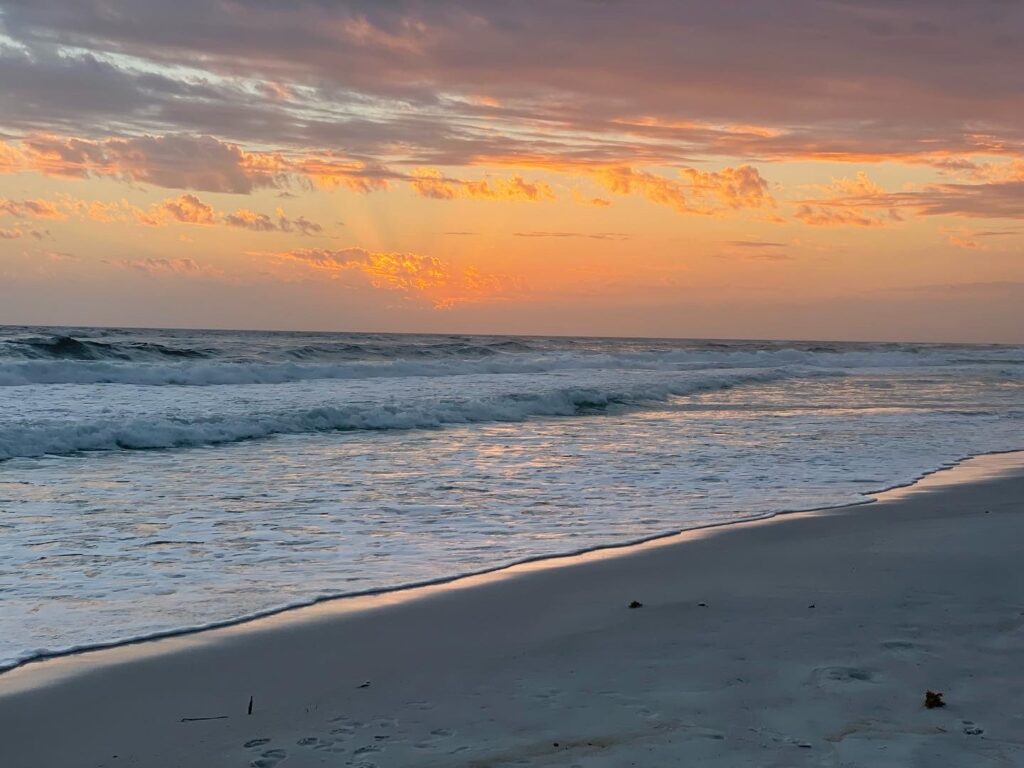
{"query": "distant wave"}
[(447, 348), (85, 347), (60, 347), (66, 437), (158, 365)]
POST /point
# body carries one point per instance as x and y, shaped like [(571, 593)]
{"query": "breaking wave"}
[(161, 432)]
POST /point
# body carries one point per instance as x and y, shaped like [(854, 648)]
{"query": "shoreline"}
[(561, 559), (805, 639)]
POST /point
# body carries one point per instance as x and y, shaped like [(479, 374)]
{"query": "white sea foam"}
[(70, 436)]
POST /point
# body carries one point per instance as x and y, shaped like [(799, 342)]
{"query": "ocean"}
[(154, 481)]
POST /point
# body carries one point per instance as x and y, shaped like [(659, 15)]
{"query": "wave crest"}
[(22, 441), (62, 347)]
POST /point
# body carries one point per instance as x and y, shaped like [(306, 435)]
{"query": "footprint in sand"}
[(329, 746), (830, 676), (366, 750), (899, 645), (345, 727), (970, 729), (907, 649), (436, 735), (346, 721), (269, 759)]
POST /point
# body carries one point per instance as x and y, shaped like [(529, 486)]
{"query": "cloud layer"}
[(456, 82)]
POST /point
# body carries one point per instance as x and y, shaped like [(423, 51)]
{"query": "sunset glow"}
[(827, 170)]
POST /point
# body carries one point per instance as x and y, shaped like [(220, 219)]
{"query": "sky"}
[(812, 169)]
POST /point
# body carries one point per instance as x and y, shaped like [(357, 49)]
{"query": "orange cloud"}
[(189, 209), (701, 192), (182, 162), (974, 240), (597, 202), (11, 159), (1012, 170), (410, 274), (105, 213), (861, 202), (835, 214), (187, 162), (330, 172), (856, 202), (741, 187), (184, 267), (300, 224), (658, 189), (404, 271), (37, 209), (246, 219), (394, 271), (615, 236), (261, 222), (430, 182), (962, 238), (108, 213), (859, 186)]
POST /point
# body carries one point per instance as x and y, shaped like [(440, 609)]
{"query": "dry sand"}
[(807, 640)]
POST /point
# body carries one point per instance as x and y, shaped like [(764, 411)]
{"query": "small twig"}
[(250, 705), (197, 719)]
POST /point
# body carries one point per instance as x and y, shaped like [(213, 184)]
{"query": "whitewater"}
[(154, 481)]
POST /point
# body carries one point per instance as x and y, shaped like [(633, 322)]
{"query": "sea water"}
[(160, 480)]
